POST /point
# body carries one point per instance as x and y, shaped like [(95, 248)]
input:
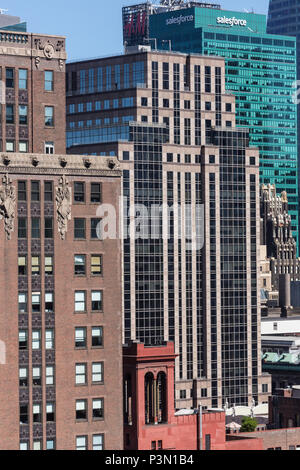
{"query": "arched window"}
[(128, 400), (149, 399), (162, 397)]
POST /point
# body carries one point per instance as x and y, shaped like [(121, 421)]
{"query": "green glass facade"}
[(260, 71)]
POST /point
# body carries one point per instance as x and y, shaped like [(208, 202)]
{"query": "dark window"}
[(35, 191), (166, 103), (228, 107), (212, 159), (22, 265), (95, 229), (81, 410), (98, 408), (35, 228), (95, 192), (170, 157), (252, 160), (125, 155), (79, 228), (48, 227), (22, 227), (207, 105), (97, 337), (10, 78), (144, 101), (48, 191), (22, 196), (187, 104), (79, 265), (23, 340), (10, 114), (24, 414), (207, 442), (79, 192)]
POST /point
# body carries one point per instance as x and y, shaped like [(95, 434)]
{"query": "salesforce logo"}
[(231, 21), (179, 19)]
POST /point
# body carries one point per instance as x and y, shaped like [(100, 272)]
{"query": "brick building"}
[(60, 286), (32, 94), (171, 123), (61, 296), (150, 421)]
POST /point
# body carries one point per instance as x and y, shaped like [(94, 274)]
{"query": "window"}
[(35, 191), (207, 106), (48, 80), (80, 371), (36, 377), (125, 156), (50, 375), (79, 228), (50, 444), (23, 77), (80, 338), (24, 414), (79, 265), (252, 160), (159, 445), (48, 191), (98, 408), (96, 301), (144, 118), (48, 227), (48, 265), (98, 442), (81, 443), (23, 340), (80, 301), (95, 192), (79, 192), (50, 412), (10, 114), (228, 124), (166, 103), (49, 116), (265, 388), (96, 229), (22, 196), (228, 107), (23, 114), (182, 393), (97, 337), (144, 101), (22, 265), (23, 146), (22, 300), (81, 410), (49, 302), (36, 302), (37, 445), (23, 446), (36, 339), (96, 265), (35, 265), (23, 377), (187, 104), (97, 372), (207, 442), (187, 159), (203, 392), (10, 146), (22, 227), (49, 148), (37, 413), (153, 445), (212, 159), (9, 78)]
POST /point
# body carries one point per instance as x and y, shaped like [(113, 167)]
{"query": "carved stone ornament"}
[(7, 205), (49, 51), (63, 206), (37, 61)]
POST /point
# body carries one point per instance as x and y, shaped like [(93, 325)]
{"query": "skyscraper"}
[(283, 19), (260, 71), (172, 125), (60, 287)]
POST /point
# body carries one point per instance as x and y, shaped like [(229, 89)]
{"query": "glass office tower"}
[(260, 71), (283, 19)]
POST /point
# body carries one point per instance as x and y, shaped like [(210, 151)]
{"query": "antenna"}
[(2, 11)]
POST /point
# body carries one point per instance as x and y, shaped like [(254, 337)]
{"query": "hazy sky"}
[(93, 27)]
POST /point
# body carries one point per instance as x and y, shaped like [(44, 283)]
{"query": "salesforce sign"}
[(231, 21), (178, 20)]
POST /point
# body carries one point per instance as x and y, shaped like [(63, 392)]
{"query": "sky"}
[(94, 27)]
